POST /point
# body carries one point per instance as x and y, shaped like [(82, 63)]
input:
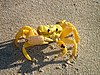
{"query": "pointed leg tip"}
[(29, 58)]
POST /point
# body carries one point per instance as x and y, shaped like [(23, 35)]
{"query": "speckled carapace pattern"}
[(84, 14)]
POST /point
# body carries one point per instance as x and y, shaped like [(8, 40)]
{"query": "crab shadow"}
[(10, 55)]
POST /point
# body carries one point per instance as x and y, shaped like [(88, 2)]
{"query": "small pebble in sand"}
[(46, 57), (76, 69), (35, 61), (11, 29), (58, 67), (25, 73), (40, 70), (64, 65), (70, 63)]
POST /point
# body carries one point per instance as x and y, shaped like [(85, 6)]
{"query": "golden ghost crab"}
[(49, 33)]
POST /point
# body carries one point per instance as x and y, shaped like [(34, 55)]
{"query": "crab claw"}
[(25, 32), (38, 40)]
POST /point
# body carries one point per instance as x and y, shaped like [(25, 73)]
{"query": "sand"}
[(83, 14)]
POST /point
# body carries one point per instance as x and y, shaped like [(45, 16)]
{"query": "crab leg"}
[(18, 35), (74, 31), (26, 44), (65, 24), (69, 41), (63, 48), (21, 33), (74, 50), (65, 32)]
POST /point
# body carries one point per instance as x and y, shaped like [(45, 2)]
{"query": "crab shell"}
[(50, 31)]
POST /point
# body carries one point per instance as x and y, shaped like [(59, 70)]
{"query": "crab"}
[(49, 33)]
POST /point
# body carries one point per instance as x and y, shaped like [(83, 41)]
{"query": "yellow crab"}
[(49, 33)]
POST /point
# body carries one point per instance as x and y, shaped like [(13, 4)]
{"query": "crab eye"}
[(62, 46), (56, 29), (48, 30)]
